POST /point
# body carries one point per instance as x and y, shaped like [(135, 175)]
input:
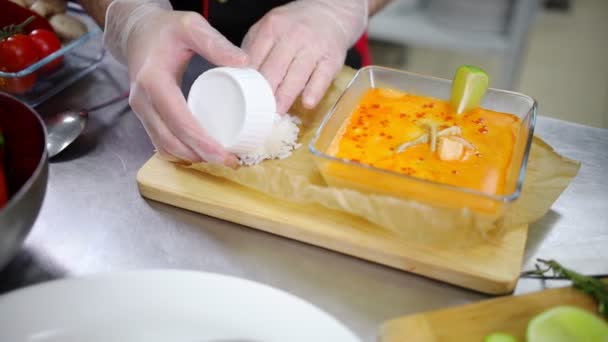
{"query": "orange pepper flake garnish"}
[(381, 115)]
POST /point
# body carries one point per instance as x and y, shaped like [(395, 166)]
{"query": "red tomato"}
[(18, 85), (17, 52), (47, 43)]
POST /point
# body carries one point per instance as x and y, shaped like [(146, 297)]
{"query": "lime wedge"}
[(567, 324), (468, 88), (499, 337)]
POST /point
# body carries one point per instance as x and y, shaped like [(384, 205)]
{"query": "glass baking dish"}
[(345, 173), (80, 57)]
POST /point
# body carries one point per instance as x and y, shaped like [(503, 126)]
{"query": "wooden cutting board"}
[(490, 268), (475, 321)]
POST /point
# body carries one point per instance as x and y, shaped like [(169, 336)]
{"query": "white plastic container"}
[(235, 106)]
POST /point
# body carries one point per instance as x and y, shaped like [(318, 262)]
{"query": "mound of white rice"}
[(279, 144)]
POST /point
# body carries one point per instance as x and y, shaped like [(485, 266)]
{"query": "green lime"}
[(567, 324), (499, 337), (468, 88)]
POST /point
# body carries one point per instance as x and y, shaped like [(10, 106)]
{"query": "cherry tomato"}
[(18, 85), (17, 52), (47, 43)]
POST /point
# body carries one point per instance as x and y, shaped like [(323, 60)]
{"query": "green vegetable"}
[(567, 324), (592, 286), (499, 337)]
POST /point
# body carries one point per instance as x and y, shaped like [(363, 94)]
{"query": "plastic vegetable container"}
[(345, 173), (81, 56)]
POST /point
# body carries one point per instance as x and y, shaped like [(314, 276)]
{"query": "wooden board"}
[(475, 321), (491, 268)]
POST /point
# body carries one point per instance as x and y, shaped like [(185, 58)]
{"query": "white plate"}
[(168, 306)]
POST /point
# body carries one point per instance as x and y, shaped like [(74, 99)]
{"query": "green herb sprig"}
[(11, 30), (597, 288)]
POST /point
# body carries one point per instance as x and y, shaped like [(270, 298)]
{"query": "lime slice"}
[(567, 324), (469, 86), (499, 337)]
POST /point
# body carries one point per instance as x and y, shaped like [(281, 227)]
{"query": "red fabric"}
[(362, 46), (206, 9)]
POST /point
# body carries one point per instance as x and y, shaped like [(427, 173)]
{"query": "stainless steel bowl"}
[(26, 167)]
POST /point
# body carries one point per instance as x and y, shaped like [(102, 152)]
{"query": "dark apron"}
[(233, 18)]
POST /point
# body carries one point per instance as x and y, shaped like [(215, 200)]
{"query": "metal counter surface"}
[(94, 220)]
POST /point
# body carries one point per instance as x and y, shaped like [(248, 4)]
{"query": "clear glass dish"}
[(80, 57), (345, 173)]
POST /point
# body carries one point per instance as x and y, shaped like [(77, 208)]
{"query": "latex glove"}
[(157, 43), (300, 47)]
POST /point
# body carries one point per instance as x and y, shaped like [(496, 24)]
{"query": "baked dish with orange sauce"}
[(422, 137), (397, 133)]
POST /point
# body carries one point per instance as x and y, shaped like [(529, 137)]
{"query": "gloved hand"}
[(157, 43), (301, 46)]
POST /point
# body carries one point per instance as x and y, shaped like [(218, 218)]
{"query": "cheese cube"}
[(450, 149)]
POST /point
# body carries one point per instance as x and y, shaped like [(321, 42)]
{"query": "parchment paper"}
[(297, 179)]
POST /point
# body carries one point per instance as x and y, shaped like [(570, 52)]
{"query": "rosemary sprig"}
[(597, 288)]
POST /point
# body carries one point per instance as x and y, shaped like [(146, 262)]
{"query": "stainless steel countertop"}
[(94, 220)]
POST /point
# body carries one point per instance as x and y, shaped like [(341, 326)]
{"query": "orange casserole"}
[(422, 137)]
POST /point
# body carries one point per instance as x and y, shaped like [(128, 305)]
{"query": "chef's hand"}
[(301, 46), (157, 43)]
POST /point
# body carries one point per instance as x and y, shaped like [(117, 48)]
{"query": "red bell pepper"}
[(3, 185)]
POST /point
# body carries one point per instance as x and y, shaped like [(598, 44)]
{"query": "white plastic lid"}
[(235, 106)]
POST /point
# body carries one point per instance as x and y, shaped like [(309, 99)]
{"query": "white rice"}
[(279, 144)]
